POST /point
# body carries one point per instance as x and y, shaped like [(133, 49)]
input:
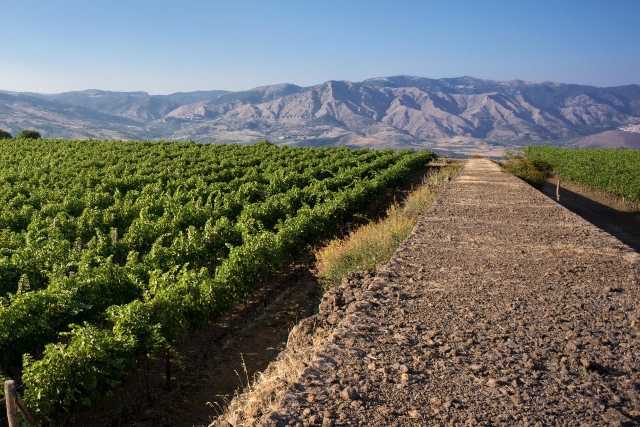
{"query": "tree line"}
[(23, 134)]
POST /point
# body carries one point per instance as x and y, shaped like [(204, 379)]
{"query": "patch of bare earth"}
[(502, 308), (613, 214), (212, 363)]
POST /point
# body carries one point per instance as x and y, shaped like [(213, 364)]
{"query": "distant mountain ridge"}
[(609, 139), (397, 111)]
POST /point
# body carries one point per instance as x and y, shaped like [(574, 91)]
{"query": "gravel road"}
[(502, 308)]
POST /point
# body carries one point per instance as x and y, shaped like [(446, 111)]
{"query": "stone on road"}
[(501, 308)]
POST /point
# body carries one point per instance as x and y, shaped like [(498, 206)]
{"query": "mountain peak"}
[(276, 87), (396, 80), (100, 92), (398, 111)]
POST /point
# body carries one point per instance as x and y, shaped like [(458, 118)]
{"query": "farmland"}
[(614, 171), (110, 251)]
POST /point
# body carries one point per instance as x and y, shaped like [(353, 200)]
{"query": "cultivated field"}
[(111, 250), (616, 171)]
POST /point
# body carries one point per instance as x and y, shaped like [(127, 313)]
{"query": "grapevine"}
[(112, 250)]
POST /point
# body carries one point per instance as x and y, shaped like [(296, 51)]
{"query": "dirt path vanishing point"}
[(501, 308)]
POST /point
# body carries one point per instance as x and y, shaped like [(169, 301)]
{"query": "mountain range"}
[(399, 111)]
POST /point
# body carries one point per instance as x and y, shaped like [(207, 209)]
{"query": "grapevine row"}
[(110, 251), (616, 171)]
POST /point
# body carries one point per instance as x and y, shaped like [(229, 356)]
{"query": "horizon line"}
[(169, 93)]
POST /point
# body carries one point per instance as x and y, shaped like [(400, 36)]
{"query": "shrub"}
[(543, 166), (534, 173), (29, 134), (5, 135)]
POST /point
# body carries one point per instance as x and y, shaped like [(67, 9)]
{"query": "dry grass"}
[(367, 247), (264, 394), (533, 172), (373, 244)]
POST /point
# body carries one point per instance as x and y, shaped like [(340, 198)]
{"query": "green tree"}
[(5, 135), (29, 134)]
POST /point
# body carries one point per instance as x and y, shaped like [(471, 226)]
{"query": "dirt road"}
[(501, 308)]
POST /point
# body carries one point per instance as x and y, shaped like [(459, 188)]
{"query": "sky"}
[(168, 46)]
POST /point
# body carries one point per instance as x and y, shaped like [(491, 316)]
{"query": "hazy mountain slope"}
[(609, 139), (138, 106), (389, 111), (18, 111)]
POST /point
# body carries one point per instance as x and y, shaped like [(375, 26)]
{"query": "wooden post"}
[(10, 400), (558, 189), (27, 415)]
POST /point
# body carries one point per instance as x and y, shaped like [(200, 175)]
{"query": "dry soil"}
[(502, 308)]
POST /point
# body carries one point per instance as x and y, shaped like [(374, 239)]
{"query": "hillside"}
[(398, 111), (609, 139)]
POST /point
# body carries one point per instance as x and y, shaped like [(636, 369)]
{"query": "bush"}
[(5, 135), (543, 166), (535, 173), (29, 134)]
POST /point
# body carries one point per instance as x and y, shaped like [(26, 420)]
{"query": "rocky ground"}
[(501, 308)]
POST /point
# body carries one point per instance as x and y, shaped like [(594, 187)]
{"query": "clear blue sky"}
[(165, 46)]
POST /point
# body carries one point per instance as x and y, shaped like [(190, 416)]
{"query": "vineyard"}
[(614, 171), (110, 251)]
